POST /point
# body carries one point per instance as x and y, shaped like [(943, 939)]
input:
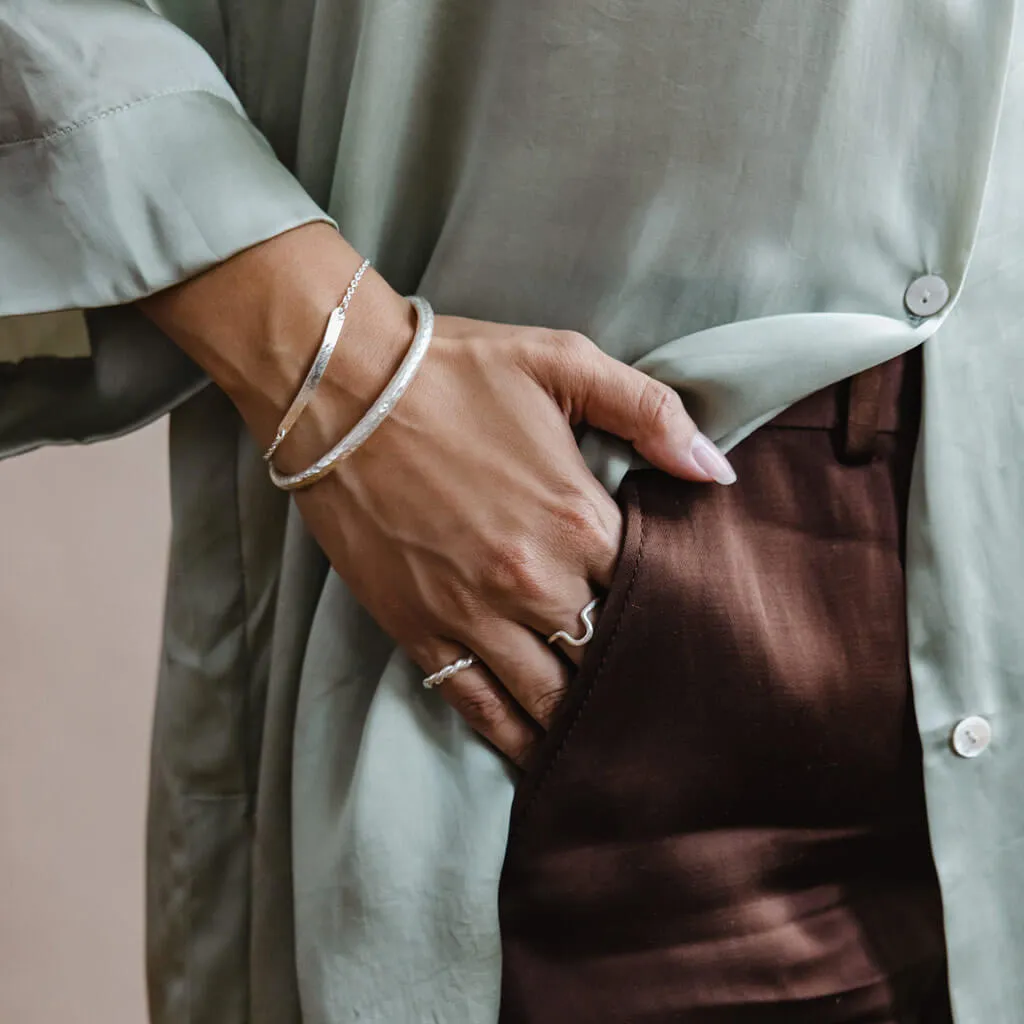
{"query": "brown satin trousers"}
[(727, 822)]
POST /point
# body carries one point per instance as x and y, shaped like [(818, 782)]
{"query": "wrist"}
[(378, 330), (301, 278), (254, 323)]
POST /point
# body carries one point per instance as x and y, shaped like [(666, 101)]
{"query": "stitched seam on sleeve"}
[(73, 126)]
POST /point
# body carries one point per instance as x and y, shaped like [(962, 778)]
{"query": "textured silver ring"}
[(588, 632), (444, 674)]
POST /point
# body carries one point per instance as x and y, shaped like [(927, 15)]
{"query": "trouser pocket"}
[(750, 659), (728, 812)]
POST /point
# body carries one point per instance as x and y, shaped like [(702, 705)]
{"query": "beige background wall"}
[(83, 535)]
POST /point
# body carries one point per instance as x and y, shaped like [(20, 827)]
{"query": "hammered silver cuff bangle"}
[(378, 412), (332, 332)]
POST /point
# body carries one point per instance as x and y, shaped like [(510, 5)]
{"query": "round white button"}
[(927, 295), (971, 736)]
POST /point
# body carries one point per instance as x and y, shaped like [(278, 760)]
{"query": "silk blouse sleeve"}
[(127, 164)]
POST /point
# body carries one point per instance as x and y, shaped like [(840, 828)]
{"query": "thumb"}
[(623, 401)]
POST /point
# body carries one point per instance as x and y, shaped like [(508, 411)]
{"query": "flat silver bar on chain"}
[(378, 412), (332, 332)]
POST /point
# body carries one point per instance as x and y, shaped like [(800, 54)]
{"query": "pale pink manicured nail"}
[(711, 461)]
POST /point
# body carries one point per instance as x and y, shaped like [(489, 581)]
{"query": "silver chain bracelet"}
[(377, 413), (332, 332)]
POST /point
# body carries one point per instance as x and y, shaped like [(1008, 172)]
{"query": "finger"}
[(586, 539), (530, 670), (640, 409), (484, 704), (572, 642), (560, 611), (602, 550), (613, 396)]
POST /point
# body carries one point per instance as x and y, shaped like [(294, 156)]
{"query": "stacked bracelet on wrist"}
[(377, 413), (332, 332)]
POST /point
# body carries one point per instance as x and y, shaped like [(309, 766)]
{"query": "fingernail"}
[(711, 461)]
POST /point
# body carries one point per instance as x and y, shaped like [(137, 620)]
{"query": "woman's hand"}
[(468, 521)]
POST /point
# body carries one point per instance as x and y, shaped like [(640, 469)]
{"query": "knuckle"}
[(588, 527), (522, 751), (561, 361), (657, 405), (567, 349), (513, 567), (460, 603), (576, 516), (570, 343), (581, 519), (481, 707), (545, 702)]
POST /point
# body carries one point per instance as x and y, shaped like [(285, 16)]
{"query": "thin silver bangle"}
[(332, 332), (378, 412)]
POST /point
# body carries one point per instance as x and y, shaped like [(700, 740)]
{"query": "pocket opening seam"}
[(598, 673)]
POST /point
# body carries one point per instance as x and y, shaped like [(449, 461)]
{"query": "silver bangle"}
[(378, 412), (332, 332)]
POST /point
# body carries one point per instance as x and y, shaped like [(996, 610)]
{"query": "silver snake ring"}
[(588, 633)]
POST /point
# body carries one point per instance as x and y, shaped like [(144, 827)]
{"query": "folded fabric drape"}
[(735, 198)]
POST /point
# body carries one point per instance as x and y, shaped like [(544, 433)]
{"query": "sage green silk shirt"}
[(733, 196)]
